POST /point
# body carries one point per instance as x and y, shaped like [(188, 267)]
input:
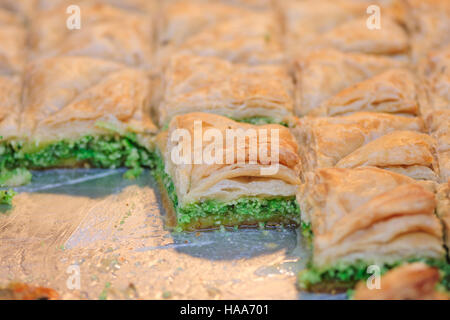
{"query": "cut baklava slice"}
[(105, 32), (256, 94), (80, 111), (216, 172), (10, 109), (363, 217), (323, 74), (253, 38), (343, 25), (324, 141)]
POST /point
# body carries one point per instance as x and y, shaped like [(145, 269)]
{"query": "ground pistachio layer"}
[(342, 277), (6, 197), (213, 213), (250, 120), (106, 151), (261, 121)]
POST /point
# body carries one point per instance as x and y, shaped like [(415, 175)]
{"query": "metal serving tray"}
[(90, 234)]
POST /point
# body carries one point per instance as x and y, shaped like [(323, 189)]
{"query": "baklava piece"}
[(368, 139), (330, 82), (181, 19), (82, 111), (106, 32), (362, 217), (252, 38), (236, 183), (256, 94), (341, 25)]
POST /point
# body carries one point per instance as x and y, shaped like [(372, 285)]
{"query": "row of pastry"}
[(373, 144), (368, 160), (83, 95), (372, 148)]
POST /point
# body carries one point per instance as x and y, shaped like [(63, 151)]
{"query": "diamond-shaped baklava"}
[(256, 94), (363, 217), (343, 25), (331, 82), (82, 111), (223, 181), (368, 139), (105, 32)]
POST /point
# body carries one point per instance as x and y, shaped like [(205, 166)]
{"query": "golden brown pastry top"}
[(409, 152), (23, 9), (305, 20), (231, 174), (416, 281), (10, 106), (393, 91), (323, 74), (429, 25), (250, 38), (13, 37), (251, 4), (65, 97), (209, 84), (438, 123), (369, 214), (435, 76), (147, 6), (182, 19), (106, 32), (325, 141), (341, 25)]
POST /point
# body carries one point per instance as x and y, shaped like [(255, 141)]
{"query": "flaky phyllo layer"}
[(366, 216), (232, 192), (390, 142), (208, 84)]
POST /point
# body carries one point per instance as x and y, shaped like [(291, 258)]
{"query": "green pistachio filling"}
[(344, 276), (306, 231), (109, 151), (6, 196), (250, 120), (214, 213), (15, 177), (261, 121)]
